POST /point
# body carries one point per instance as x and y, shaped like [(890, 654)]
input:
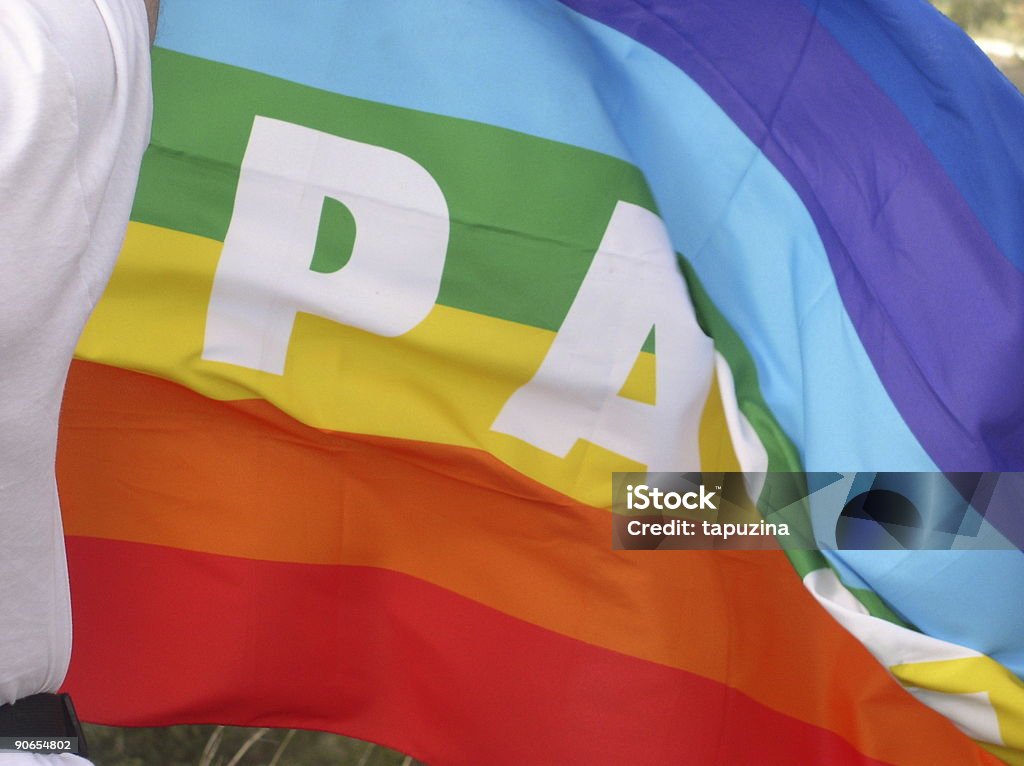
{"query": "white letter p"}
[(391, 280)]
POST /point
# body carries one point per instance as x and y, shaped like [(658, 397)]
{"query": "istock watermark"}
[(640, 497), (818, 511)]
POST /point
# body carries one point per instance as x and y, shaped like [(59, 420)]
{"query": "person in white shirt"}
[(75, 111)]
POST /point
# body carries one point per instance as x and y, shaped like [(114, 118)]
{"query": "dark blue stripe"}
[(934, 72)]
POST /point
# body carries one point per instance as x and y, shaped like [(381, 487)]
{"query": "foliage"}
[(975, 14), (1000, 20), (223, 745)]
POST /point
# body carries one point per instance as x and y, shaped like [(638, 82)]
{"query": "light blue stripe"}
[(968, 597), (971, 598), (765, 267), (519, 65)]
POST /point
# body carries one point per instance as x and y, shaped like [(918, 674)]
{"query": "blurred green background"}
[(998, 28), (232, 746)]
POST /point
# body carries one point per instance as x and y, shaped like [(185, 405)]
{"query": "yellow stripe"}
[(970, 675), (1012, 757), (716, 447), (444, 382)]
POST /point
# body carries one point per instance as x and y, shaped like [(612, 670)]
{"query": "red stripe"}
[(167, 636)]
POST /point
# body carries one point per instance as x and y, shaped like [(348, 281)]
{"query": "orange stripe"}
[(144, 460)]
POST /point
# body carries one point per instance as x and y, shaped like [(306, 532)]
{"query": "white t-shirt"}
[(75, 107)]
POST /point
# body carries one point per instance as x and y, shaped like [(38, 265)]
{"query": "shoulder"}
[(57, 55), (38, 120), (74, 104)]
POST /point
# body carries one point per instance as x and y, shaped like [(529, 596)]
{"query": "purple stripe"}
[(939, 309)]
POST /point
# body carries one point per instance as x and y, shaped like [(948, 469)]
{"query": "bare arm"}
[(153, 9)]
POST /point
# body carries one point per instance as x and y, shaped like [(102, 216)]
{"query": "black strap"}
[(42, 716)]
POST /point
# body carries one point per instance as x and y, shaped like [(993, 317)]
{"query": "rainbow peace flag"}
[(406, 282)]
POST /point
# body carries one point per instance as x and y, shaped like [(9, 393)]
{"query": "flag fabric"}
[(406, 282)]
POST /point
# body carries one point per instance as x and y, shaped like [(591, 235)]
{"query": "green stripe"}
[(335, 238), (783, 456), (782, 452), (527, 213)]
